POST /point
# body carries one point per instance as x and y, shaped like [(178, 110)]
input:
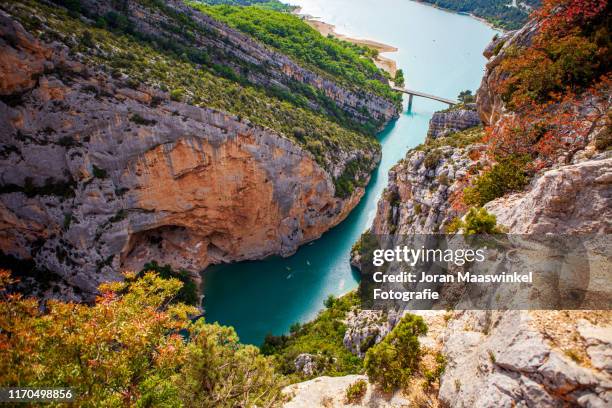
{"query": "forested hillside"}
[(501, 13), (345, 62)]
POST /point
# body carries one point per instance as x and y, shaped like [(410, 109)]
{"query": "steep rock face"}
[(517, 358), (421, 190), (446, 122), (514, 358), (489, 101), (574, 199), (97, 178), (521, 358)]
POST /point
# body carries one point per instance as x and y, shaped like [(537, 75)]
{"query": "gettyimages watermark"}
[(485, 272)]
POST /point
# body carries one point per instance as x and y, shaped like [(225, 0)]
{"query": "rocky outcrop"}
[(572, 199), (488, 99), (98, 177), (422, 188), (451, 121), (331, 392), (365, 328), (520, 358), (306, 364), (512, 358)]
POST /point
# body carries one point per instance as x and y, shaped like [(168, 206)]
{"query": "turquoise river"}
[(441, 54)]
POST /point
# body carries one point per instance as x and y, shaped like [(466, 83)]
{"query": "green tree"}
[(399, 78), (466, 96), (223, 373), (391, 363)]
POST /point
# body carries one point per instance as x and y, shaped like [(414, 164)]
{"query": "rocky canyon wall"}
[(502, 358), (98, 177)]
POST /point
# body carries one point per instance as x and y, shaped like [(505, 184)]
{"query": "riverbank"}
[(387, 64)]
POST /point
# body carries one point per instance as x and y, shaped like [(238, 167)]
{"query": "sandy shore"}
[(382, 62)]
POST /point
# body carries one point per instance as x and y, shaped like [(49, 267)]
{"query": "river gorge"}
[(441, 54)]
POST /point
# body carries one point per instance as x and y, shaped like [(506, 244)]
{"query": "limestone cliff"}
[(453, 120), (489, 101), (101, 174)]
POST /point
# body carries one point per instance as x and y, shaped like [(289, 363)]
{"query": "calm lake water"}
[(441, 54)]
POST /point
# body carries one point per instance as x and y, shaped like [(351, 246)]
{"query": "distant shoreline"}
[(481, 19), (382, 62)]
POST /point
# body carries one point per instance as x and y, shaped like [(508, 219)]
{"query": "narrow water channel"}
[(441, 54)]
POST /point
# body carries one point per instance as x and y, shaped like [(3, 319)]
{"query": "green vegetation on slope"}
[(268, 4), (145, 62), (347, 63), (508, 174), (322, 338), (477, 221), (132, 348), (500, 13)]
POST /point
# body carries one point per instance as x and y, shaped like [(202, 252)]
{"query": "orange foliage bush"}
[(559, 127), (558, 86)]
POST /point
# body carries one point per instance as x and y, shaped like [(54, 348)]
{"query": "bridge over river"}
[(413, 93)]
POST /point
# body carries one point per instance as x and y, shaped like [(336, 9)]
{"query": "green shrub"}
[(498, 47), (391, 363), (477, 221), (466, 96), (454, 226), (98, 172), (330, 301), (119, 216), (66, 141), (177, 94), (432, 158), (507, 175), (365, 246), (351, 177), (133, 347), (139, 120), (356, 391), (443, 179), (67, 221), (399, 78), (64, 189), (463, 138), (188, 293), (433, 375)]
